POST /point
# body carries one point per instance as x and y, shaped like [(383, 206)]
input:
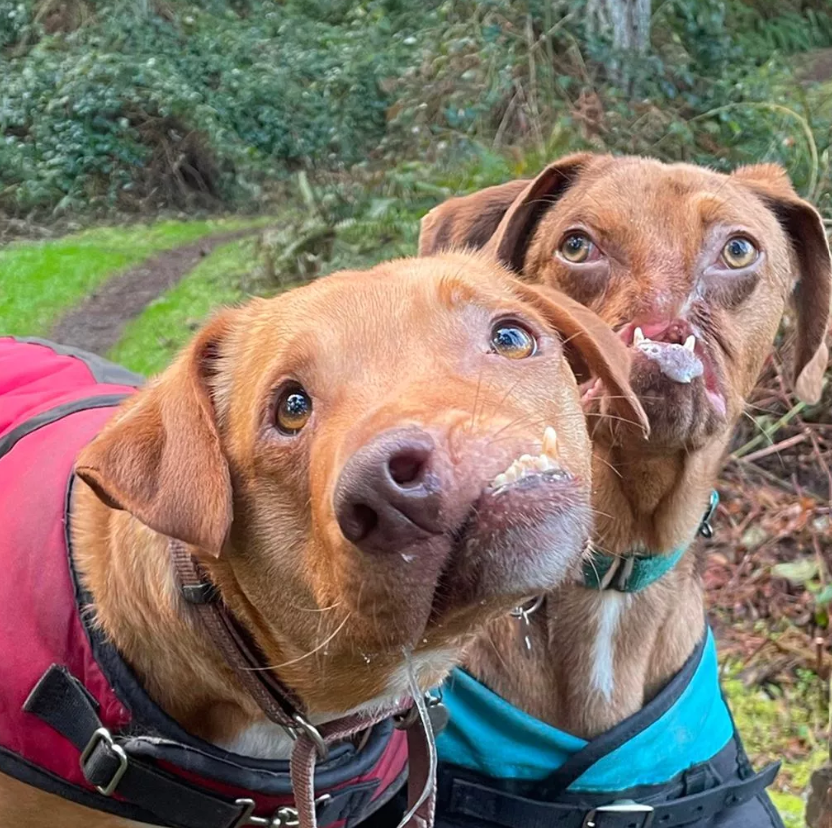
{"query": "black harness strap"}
[(63, 703), (499, 808)]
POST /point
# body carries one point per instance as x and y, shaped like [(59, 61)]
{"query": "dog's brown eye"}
[(512, 341), (576, 248), (739, 252), (294, 408)]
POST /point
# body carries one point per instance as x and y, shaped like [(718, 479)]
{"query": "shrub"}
[(142, 104)]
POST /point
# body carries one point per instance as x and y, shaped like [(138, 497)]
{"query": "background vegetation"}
[(148, 104), (345, 121)]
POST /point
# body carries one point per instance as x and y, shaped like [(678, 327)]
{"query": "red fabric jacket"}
[(52, 402)]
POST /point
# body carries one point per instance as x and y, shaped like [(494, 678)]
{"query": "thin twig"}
[(775, 448)]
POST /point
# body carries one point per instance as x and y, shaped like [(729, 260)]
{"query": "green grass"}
[(150, 341), (784, 727), (40, 281)]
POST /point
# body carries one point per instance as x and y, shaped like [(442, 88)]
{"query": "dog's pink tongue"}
[(675, 361)]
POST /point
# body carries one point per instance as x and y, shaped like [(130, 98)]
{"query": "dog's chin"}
[(513, 540), (681, 414), (520, 538)]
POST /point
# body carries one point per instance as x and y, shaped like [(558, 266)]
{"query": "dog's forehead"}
[(394, 310), (396, 292), (638, 194)]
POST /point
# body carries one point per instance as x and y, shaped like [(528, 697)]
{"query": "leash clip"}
[(522, 613), (623, 806), (312, 733), (437, 713)]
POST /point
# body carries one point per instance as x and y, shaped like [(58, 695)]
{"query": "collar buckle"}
[(623, 806)]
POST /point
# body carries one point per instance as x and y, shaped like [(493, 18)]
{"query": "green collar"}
[(633, 573)]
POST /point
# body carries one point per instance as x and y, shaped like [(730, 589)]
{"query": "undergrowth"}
[(139, 106)]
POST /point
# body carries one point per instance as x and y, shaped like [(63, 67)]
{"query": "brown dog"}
[(694, 269), (363, 467)]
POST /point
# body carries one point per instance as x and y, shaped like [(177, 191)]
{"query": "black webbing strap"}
[(498, 808), (63, 703)]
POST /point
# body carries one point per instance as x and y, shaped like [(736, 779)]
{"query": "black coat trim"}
[(102, 370), (52, 415)]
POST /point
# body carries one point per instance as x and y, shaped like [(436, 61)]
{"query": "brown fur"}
[(194, 456), (660, 228)]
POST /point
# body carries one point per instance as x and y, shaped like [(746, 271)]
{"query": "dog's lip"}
[(677, 331), (531, 473)]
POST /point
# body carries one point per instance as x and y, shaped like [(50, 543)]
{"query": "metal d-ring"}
[(403, 721), (528, 609), (313, 734), (522, 613)]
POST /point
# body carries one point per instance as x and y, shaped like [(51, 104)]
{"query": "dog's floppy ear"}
[(467, 221), (804, 227), (591, 345), (514, 232), (161, 458), (472, 221)]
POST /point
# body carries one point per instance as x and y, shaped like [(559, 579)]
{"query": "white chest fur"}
[(609, 610)]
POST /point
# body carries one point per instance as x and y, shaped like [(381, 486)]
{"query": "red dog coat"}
[(74, 721)]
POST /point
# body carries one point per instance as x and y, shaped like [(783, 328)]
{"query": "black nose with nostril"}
[(388, 496)]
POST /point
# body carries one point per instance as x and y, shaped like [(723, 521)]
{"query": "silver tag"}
[(439, 717)]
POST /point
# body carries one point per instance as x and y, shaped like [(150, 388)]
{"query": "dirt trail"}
[(97, 323)]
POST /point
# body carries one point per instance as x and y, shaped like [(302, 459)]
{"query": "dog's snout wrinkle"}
[(386, 496)]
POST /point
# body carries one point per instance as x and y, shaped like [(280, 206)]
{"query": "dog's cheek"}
[(587, 286), (752, 333)]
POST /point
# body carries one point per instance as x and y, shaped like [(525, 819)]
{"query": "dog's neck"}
[(597, 656), (128, 570)]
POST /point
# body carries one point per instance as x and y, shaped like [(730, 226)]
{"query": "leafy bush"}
[(184, 101), (142, 104)]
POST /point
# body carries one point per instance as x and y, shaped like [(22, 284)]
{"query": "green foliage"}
[(15, 22), (186, 102), (784, 724), (160, 103), (787, 27), (810, 574)]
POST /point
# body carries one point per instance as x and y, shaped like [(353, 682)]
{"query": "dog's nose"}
[(387, 496)]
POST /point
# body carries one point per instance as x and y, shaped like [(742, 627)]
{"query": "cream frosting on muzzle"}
[(677, 362), (547, 460)]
